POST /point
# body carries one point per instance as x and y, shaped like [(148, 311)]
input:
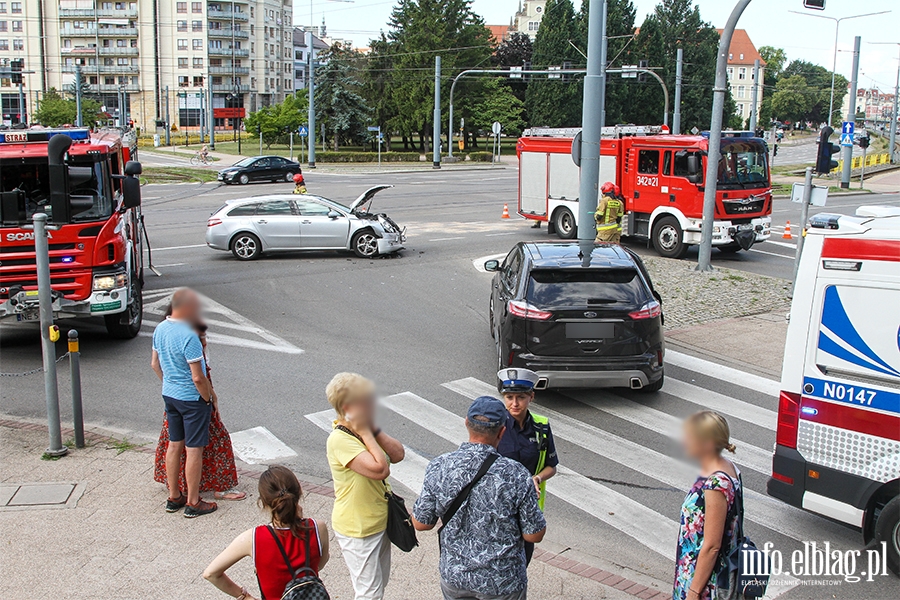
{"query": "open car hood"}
[(367, 196)]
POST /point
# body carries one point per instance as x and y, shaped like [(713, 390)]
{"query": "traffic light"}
[(824, 163), (17, 66), (526, 66), (864, 142), (814, 4)]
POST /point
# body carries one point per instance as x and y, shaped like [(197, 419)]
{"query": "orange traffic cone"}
[(787, 232), (505, 212)]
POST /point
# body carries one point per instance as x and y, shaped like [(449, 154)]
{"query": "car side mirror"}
[(131, 191), (333, 214), (492, 265), (133, 167)]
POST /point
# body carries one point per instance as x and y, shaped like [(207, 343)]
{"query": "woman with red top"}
[(279, 493)]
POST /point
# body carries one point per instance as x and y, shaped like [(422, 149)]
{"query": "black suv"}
[(578, 323)]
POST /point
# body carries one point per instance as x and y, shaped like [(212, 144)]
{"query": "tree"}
[(775, 59), (792, 98), (514, 51), (339, 104), (81, 83), (500, 104), (277, 121), (377, 84), (818, 80), (556, 101), (54, 110)]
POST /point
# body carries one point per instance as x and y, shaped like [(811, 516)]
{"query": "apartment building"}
[(527, 19), (742, 55), (301, 54), (239, 51)]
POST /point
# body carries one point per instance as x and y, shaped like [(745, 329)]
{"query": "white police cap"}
[(517, 380)]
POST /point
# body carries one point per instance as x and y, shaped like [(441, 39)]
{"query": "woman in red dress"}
[(219, 473)]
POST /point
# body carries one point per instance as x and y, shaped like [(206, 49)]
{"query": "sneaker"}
[(201, 508), (175, 505)]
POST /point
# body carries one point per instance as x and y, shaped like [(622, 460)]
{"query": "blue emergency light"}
[(42, 135)]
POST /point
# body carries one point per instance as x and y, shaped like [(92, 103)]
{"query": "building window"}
[(182, 44), (196, 25), (197, 44), (198, 80), (17, 25), (181, 7), (16, 7), (4, 44), (122, 43), (18, 44), (196, 7), (3, 25), (198, 63), (109, 81), (742, 73), (730, 73), (2, 7), (182, 81), (533, 25), (740, 109), (740, 91), (182, 63), (742, 56), (181, 25)]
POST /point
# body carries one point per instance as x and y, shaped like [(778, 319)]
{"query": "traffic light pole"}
[(754, 96), (804, 217), (436, 134), (847, 154), (78, 119), (676, 116), (311, 84)]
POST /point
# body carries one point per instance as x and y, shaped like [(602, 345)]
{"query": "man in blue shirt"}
[(483, 542), (189, 398)]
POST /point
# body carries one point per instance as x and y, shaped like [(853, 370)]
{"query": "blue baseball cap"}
[(487, 411)]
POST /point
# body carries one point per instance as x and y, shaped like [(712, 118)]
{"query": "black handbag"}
[(400, 528), (304, 583)]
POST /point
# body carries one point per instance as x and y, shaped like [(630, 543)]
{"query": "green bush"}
[(353, 157), (479, 156)]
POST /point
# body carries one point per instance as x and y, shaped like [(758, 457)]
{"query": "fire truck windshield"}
[(31, 176), (744, 164)]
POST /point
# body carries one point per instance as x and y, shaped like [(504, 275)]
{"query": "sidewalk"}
[(108, 536)]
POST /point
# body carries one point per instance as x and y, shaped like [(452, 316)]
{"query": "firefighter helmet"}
[(298, 177), (607, 187)]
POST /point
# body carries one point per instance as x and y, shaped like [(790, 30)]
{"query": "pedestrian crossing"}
[(645, 525)]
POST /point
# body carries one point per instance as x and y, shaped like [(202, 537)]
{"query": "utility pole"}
[(78, 120), (676, 116), (436, 134), (592, 109), (22, 115), (311, 82), (715, 138), (168, 125), (602, 86), (202, 119), (804, 217), (754, 95), (892, 149), (211, 119), (847, 151)]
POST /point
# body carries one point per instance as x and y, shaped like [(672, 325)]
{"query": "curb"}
[(574, 567)]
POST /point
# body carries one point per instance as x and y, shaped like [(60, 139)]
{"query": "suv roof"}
[(568, 255)]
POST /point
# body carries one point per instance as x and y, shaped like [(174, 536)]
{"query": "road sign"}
[(847, 127), (495, 128), (847, 139), (576, 149), (303, 131), (818, 197), (373, 128)]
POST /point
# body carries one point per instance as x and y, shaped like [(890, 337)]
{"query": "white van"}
[(837, 449)]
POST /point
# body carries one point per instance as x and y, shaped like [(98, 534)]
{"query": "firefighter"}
[(300, 188), (609, 215)]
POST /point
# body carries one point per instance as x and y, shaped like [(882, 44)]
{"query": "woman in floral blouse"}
[(708, 525)]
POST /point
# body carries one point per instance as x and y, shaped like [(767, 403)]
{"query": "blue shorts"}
[(188, 421)]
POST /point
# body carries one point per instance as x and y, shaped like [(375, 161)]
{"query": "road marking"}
[(769, 387), (220, 317), (179, 247), (782, 244), (410, 471), (170, 265), (446, 239), (771, 254), (478, 263), (504, 233), (258, 445), (722, 403), (632, 518)]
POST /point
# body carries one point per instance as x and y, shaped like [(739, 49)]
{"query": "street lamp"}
[(837, 25)]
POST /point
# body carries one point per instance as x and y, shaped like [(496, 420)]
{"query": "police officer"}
[(609, 215), (528, 439)]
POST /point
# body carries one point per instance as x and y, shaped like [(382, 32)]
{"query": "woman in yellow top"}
[(360, 456)]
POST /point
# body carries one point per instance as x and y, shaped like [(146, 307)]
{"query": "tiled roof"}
[(742, 50), (498, 32)]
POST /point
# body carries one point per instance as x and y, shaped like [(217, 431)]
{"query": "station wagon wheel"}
[(668, 238), (289, 177), (564, 221), (365, 244), (244, 179), (246, 246)]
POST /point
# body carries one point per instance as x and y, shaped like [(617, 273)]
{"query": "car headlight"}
[(110, 282)]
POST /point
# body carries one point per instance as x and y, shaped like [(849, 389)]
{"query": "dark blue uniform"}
[(521, 445)]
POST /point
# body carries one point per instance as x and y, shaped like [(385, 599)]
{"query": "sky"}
[(768, 23)]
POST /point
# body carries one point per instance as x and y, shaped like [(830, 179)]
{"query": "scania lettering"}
[(85, 181), (661, 178), (837, 449)]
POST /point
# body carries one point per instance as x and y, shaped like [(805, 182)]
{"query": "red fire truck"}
[(661, 177), (86, 183)]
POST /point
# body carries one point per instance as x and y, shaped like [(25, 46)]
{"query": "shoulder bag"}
[(304, 583), (464, 493)]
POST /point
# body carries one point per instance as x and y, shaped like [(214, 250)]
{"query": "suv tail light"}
[(519, 308), (213, 222), (647, 311), (788, 418)]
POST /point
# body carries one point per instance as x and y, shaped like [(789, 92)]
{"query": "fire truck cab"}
[(661, 179), (837, 449), (86, 182)]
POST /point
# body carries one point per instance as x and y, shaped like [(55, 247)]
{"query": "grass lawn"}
[(177, 175)]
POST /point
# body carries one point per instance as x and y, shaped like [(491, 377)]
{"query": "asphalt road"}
[(282, 326)]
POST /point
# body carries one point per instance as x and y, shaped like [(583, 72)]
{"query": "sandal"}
[(231, 494)]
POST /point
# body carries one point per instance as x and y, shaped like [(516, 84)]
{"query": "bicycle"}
[(200, 159)]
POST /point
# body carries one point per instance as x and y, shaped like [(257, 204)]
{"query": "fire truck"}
[(837, 442), (661, 177), (86, 182)]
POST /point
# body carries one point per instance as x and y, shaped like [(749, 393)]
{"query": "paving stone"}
[(6, 493), (33, 494)]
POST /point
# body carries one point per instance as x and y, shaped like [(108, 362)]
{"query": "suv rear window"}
[(549, 288)]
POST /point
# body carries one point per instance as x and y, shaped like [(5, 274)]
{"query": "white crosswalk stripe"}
[(766, 386), (726, 405)]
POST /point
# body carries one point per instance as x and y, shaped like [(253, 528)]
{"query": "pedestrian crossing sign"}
[(846, 139)]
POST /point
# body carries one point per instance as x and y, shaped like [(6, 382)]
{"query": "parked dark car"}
[(598, 325), (260, 168)]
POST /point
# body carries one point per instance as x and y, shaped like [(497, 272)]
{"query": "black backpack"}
[(304, 583)]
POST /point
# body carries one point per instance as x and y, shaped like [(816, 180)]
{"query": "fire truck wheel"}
[(668, 238), (564, 222), (127, 325), (246, 246), (887, 529)]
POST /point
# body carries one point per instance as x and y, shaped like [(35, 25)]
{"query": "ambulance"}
[(837, 450)]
